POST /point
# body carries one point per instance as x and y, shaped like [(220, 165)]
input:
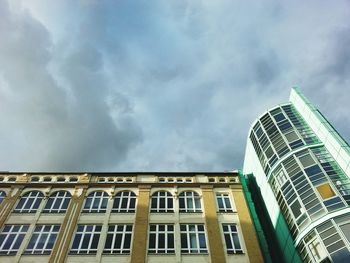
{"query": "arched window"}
[(58, 202), (96, 202), (2, 196), (162, 202), (124, 202), (190, 202), (29, 202)]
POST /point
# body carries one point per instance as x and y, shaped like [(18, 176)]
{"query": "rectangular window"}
[(118, 239), (86, 239), (43, 239), (11, 238), (161, 239), (193, 240), (233, 245), (224, 202)]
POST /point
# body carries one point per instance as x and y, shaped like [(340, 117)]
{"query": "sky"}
[(160, 85)]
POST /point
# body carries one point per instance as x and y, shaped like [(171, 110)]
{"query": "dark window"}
[(96, 202), (11, 238), (224, 202), (124, 202), (161, 239), (43, 239), (86, 239), (118, 239), (162, 202), (29, 202), (193, 240), (190, 202), (233, 245), (58, 202)]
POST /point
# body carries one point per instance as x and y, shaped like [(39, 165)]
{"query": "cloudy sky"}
[(160, 85)]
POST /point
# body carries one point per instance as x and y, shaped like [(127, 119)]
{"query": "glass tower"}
[(302, 168)]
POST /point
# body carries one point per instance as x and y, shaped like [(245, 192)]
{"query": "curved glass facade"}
[(311, 189)]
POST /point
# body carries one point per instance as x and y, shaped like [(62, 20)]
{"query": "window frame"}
[(102, 203), (63, 205), (224, 197), (82, 230), (156, 233), (43, 235), (120, 197), (18, 235), (158, 201), (27, 197), (230, 234), (187, 197), (122, 250), (186, 232)]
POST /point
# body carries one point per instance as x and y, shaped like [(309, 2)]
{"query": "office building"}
[(126, 217), (299, 167)]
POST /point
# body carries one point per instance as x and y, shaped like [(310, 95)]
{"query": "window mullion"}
[(123, 239)]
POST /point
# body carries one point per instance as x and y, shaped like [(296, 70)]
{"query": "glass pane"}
[(76, 241), (127, 241), (152, 241), (220, 203), (49, 203), (228, 203), (236, 242), (95, 241), (170, 203), (161, 241), (42, 241), (118, 240), (51, 241), (184, 241), (170, 240), (32, 241), (162, 203), (9, 241), (228, 241), (18, 241), (124, 203), (109, 241), (193, 240), (86, 241), (202, 243)]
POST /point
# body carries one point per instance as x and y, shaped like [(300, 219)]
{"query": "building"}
[(127, 217), (298, 168)]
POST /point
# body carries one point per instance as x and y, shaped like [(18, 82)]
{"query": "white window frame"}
[(231, 232), (2, 196), (189, 233), (43, 235), (20, 234), (96, 230), (58, 199), (101, 197), (31, 196), (113, 230), (157, 196), (224, 197), (167, 235), (188, 196), (128, 195)]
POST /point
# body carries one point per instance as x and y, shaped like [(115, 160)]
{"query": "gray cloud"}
[(160, 85), (46, 126)]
